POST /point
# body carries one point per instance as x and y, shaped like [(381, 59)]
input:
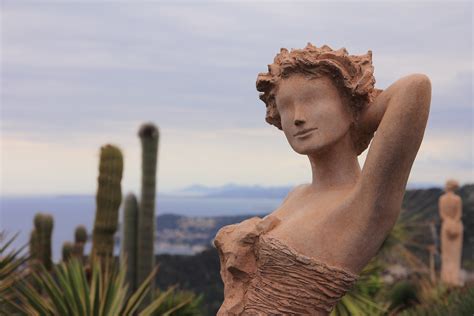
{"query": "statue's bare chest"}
[(326, 228), (304, 217)]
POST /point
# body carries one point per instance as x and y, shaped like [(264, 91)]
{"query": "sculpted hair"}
[(353, 75)]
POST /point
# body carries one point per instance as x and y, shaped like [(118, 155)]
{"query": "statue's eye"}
[(284, 105)]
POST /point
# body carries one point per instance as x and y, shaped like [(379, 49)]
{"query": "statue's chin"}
[(306, 152), (316, 145), (306, 147), (312, 150)]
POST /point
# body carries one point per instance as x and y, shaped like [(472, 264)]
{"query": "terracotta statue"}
[(302, 258), (450, 212)]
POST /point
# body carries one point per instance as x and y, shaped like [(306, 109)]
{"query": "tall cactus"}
[(149, 136), (34, 249), (129, 245), (44, 228), (80, 239), (108, 199), (67, 251)]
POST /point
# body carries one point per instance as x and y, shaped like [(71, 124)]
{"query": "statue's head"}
[(451, 185), (316, 95)]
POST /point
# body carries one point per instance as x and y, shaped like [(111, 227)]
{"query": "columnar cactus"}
[(34, 249), (44, 228), (129, 244), (80, 239), (149, 136), (108, 199), (68, 249)]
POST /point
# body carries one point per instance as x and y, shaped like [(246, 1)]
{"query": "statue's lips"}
[(305, 132)]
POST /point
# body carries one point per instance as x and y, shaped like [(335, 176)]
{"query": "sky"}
[(77, 75)]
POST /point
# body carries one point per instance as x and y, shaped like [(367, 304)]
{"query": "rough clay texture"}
[(303, 257), (256, 268), (450, 210)]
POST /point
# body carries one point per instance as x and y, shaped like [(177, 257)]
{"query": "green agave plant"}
[(11, 262), (67, 291), (359, 301), (182, 303)]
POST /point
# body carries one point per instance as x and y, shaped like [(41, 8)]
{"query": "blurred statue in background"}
[(303, 257), (450, 211)]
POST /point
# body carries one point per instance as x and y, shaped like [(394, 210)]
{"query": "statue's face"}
[(313, 113)]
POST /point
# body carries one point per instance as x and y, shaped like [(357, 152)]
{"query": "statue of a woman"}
[(450, 211), (302, 258)]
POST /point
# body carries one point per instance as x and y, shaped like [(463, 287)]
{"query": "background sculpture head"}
[(451, 185), (352, 75)]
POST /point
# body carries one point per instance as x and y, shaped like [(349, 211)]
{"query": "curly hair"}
[(353, 75)]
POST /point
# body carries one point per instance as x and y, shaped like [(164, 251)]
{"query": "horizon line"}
[(410, 186)]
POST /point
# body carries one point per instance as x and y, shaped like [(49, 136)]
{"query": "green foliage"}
[(181, 303), (108, 199), (149, 136), (11, 262), (459, 302), (359, 301), (43, 231), (468, 265), (199, 273), (68, 292), (129, 240), (403, 294), (407, 244)]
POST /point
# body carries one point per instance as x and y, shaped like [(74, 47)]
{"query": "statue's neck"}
[(335, 168)]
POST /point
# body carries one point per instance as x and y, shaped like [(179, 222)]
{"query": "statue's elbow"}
[(422, 84), (420, 91)]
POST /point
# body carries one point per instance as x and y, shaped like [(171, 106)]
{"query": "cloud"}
[(85, 73)]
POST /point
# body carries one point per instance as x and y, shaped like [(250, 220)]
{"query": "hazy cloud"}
[(78, 74)]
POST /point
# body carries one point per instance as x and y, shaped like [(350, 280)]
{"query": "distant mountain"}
[(194, 190), (421, 185), (233, 191)]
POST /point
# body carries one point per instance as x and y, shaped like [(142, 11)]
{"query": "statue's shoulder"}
[(235, 232), (246, 231)]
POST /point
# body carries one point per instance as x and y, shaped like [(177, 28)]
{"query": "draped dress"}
[(264, 276)]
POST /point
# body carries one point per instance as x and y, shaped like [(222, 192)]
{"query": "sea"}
[(69, 211)]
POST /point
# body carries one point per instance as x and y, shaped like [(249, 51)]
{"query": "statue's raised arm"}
[(398, 115)]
